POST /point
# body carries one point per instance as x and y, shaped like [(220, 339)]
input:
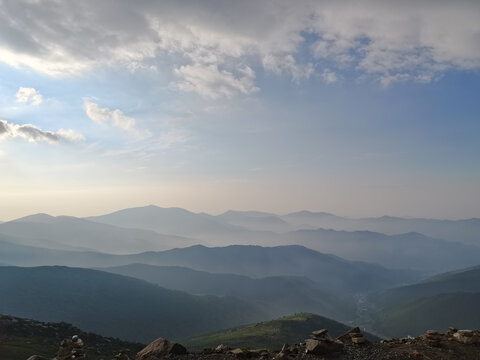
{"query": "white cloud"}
[(287, 64), (329, 77), (32, 133), (121, 121), (210, 82), (387, 80), (29, 96), (420, 38), (95, 113), (103, 115)]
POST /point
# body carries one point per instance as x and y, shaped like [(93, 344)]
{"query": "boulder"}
[(159, 349), (320, 347), (467, 336), (358, 340), (319, 333)]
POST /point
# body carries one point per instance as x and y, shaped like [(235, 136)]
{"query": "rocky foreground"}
[(452, 345)]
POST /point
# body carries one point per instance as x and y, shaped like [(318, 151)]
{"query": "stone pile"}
[(321, 343), (467, 336), (433, 337), (353, 336), (71, 349)]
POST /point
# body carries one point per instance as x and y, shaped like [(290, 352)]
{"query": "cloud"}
[(329, 77), (287, 64), (201, 41), (28, 95), (103, 115), (210, 82), (32, 133)]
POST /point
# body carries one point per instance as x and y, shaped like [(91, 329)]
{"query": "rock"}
[(319, 333), (37, 357), (319, 347), (358, 340), (159, 349), (432, 332), (467, 337), (221, 348), (240, 353), (452, 329), (349, 336)]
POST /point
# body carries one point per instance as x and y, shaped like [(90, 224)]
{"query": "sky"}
[(359, 108)]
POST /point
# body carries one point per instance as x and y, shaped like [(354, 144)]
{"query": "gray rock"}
[(320, 347), (159, 349)]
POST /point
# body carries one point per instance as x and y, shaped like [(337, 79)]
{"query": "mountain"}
[(70, 233), (255, 220), (175, 221), (276, 296), (458, 309), (464, 280), (22, 255), (330, 272), (466, 230), (271, 334), (20, 338), (308, 219), (410, 250), (114, 305), (449, 299)]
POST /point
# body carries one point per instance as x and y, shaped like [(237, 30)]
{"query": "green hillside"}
[(270, 334)]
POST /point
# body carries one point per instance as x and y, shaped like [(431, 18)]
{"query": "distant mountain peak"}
[(38, 218)]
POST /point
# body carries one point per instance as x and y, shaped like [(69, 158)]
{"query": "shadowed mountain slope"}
[(276, 296), (464, 280), (114, 305), (458, 309)]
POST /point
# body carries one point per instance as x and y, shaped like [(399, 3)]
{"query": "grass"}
[(270, 334)]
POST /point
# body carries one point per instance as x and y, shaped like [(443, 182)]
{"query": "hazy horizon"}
[(99, 213)]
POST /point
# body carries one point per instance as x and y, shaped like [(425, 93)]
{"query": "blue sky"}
[(357, 109)]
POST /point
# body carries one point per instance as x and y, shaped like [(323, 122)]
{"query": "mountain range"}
[(180, 270), (153, 228)]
